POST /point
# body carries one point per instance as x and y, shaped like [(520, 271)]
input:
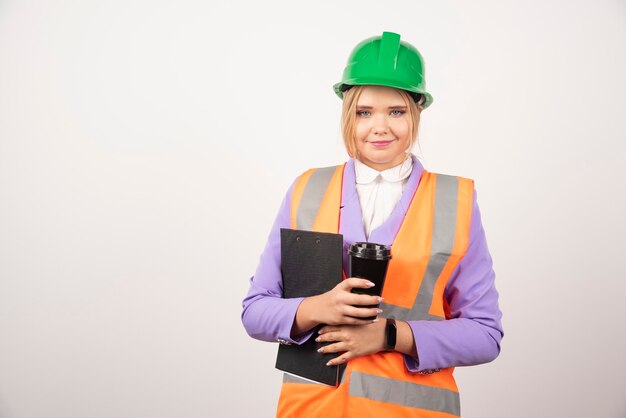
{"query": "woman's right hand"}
[(338, 306)]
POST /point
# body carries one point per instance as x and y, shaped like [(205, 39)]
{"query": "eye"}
[(397, 112), (363, 113)]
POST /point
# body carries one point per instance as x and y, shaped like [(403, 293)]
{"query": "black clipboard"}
[(311, 264)]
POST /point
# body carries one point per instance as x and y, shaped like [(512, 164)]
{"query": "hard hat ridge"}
[(389, 48)]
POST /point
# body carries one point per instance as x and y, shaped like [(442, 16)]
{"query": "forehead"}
[(380, 96)]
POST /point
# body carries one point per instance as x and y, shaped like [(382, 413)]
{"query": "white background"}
[(145, 147)]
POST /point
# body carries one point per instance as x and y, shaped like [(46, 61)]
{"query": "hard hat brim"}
[(340, 88)]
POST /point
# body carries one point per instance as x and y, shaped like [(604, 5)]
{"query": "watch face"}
[(391, 333)]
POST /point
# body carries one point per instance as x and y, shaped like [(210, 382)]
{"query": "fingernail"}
[(370, 284), (320, 332), (320, 350), (379, 310), (317, 339), (375, 320), (380, 300), (328, 364)]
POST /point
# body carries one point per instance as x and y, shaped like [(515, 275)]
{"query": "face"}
[(383, 127)]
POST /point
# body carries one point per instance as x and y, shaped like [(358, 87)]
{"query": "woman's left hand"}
[(352, 340)]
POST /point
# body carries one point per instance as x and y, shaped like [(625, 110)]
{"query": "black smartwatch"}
[(391, 331)]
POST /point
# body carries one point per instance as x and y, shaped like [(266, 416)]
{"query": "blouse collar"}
[(366, 174)]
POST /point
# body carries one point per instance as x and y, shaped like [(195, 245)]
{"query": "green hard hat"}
[(386, 61)]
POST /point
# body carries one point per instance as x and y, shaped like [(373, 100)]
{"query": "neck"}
[(385, 166)]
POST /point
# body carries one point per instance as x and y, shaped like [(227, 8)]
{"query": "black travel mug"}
[(369, 261)]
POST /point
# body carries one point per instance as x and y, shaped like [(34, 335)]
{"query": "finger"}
[(351, 282), (328, 328), (339, 360), (356, 299), (335, 336), (324, 338), (360, 313), (337, 347)]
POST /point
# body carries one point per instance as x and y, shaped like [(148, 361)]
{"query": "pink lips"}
[(380, 144)]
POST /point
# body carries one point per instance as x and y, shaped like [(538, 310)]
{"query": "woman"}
[(439, 299)]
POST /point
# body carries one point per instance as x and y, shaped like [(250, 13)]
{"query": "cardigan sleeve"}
[(266, 314), (473, 332)]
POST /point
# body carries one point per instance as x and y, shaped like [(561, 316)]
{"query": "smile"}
[(381, 144)]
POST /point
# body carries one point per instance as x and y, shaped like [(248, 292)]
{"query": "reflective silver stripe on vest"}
[(444, 231), (403, 393), (312, 197), (290, 378)]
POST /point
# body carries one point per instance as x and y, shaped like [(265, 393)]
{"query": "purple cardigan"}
[(471, 336)]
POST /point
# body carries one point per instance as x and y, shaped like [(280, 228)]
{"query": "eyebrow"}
[(390, 107)]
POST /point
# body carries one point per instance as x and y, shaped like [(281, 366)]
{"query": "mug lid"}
[(370, 251)]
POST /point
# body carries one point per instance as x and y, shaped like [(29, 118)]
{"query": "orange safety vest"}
[(431, 241)]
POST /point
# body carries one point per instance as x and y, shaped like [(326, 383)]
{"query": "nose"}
[(380, 126)]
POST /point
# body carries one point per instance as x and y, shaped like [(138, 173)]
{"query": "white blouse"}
[(380, 191)]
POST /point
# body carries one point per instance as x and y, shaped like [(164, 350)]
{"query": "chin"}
[(384, 156), (384, 160)]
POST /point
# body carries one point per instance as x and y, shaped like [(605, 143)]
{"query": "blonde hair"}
[(348, 117)]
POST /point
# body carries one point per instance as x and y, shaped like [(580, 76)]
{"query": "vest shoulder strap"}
[(454, 202), (316, 198)]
